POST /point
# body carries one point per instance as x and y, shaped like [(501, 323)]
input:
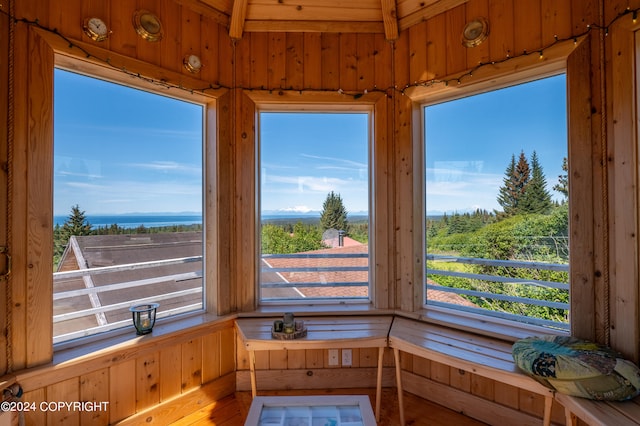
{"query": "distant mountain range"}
[(300, 213)]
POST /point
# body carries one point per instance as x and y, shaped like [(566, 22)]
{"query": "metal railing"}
[(339, 275), (295, 277), (501, 295), (72, 304)]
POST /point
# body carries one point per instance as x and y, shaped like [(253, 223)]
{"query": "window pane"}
[(127, 204), (314, 204), (496, 203)]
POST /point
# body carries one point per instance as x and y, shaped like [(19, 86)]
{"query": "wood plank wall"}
[(183, 373), (300, 61), (4, 155), (310, 369)]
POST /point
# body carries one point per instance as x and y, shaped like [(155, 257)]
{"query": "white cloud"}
[(165, 166), (347, 164)]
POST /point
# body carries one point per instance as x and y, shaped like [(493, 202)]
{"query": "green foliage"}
[(276, 240), (524, 188), (515, 181), (563, 180), (536, 198), (507, 289), (359, 231), (468, 222), (523, 237), (334, 214), (526, 237), (450, 233), (76, 224)]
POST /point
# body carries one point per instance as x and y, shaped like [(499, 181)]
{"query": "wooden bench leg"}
[(379, 383), (548, 402), (396, 356), (252, 371)]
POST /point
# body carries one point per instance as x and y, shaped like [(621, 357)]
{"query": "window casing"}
[(207, 300), (334, 268), (130, 166), (464, 268)]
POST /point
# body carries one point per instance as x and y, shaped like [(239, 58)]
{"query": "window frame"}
[(84, 70), (566, 57), (67, 60), (322, 102), (453, 97)]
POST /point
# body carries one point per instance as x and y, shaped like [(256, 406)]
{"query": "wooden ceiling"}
[(387, 17)]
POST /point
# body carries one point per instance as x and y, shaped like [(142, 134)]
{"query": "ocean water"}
[(134, 221)]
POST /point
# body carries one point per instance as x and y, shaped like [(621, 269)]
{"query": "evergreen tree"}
[(563, 180), (536, 198), (507, 192), (76, 224), (456, 225), (517, 176), (334, 215)]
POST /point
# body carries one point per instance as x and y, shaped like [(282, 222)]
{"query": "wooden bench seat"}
[(600, 413), (480, 355)]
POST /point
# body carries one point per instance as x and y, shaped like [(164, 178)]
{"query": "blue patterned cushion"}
[(578, 367)]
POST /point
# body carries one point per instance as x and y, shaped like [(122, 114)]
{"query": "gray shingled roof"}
[(110, 250)]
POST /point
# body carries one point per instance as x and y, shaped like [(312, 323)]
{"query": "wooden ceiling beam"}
[(314, 26), (216, 15), (427, 12), (238, 16), (390, 19)]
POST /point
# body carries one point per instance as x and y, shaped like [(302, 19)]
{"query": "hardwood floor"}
[(232, 410)]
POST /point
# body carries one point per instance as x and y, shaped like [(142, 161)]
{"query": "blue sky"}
[(470, 142), (305, 156), (119, 150)]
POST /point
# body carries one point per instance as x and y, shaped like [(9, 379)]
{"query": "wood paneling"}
[(4, 183), (171, 383), (492, 410), (623, 151), (147, 381), (64, 391), (94, 388), (501, 42), (179, 40), (276, 61), (191, 364), (477, 9), (603, 169), (581, 169), (312, 61), (164, 381), (294, 61), (245, 201), (122, 390)]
